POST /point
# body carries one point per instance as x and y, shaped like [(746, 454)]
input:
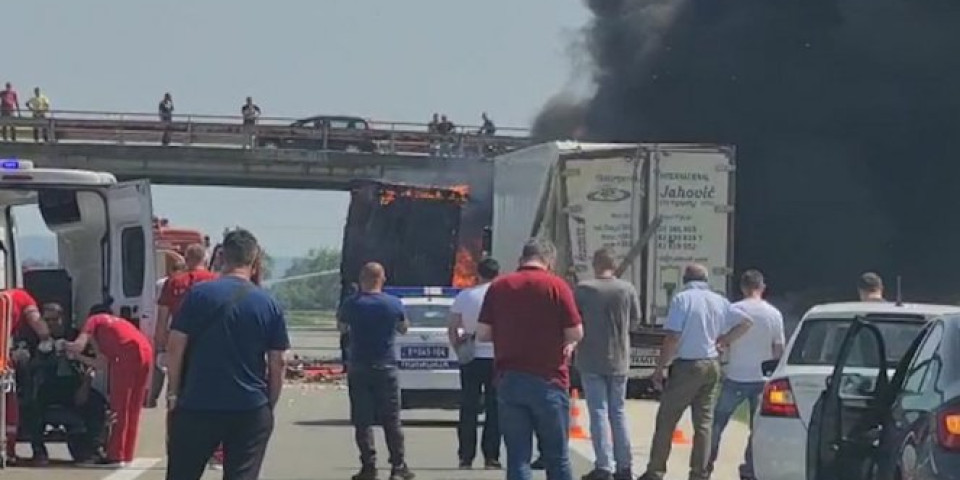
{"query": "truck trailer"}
[(587, 196)]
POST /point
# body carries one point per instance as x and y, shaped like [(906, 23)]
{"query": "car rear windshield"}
[(818, 342), (427, 316)]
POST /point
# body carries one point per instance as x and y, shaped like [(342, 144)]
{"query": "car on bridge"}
[(324, 132)]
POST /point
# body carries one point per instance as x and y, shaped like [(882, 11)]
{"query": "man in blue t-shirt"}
[(225, 368), (373, 319)]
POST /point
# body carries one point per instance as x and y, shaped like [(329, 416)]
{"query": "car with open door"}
[(797, 380), (869, 425)]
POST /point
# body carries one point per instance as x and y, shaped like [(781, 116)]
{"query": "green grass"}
[(322, 319)]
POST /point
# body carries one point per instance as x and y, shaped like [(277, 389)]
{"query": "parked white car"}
[(780, 426)]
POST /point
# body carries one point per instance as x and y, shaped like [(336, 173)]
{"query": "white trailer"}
[(586, 196)]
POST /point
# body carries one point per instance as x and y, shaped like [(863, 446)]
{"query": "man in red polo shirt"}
[(532, 319), (24, 311)]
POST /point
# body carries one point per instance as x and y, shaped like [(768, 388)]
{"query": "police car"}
[(429, 374)]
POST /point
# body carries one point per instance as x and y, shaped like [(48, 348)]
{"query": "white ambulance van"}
[(104, 235)]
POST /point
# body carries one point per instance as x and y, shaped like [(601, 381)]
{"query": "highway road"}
[(313, 440)]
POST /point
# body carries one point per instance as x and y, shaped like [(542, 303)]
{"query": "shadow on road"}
[(340, 422)]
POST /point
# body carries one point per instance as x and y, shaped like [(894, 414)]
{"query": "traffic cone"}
[(679, 438), (576, 429)]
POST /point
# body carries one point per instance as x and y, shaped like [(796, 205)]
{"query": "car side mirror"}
[(768, 367)]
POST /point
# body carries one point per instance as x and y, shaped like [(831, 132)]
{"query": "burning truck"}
[(413, 231)]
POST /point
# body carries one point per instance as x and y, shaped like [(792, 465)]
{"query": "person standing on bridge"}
[(610, 309), (225, 368), (373, 320), (165, 109), (39, 105), (251, 113), (532, 319), (9, 104)]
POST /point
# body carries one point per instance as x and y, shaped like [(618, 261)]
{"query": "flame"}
[(456, 193), (465, 269)]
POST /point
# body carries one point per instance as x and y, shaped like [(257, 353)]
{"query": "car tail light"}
[(948, 428), (778, 400)]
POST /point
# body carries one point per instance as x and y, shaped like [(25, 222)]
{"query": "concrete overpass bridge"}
[(276, 153)]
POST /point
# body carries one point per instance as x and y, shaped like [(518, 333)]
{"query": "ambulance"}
[(428, 371), (104, 233)]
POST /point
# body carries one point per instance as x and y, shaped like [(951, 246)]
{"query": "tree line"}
[(311, 292)]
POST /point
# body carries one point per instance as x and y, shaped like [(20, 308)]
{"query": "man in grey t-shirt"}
[(610, 308)]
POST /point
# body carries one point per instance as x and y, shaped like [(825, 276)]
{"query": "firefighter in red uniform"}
[(23, 311), (130, 357)]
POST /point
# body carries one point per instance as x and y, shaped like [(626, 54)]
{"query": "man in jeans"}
[(743, 377), (610, 308), (532, 319), (373, 319), (476, 373), (223, 390), (694, 321)]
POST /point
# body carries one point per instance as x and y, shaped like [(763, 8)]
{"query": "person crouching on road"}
[(23, 312), (373, 319), (532, 319), (743, 377), (130, 357), (695, 319), (610, 308), (476, 372)]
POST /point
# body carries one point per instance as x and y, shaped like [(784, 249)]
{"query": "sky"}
[(384, 60)]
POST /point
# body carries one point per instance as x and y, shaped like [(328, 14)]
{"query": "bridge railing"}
[(344, 133)]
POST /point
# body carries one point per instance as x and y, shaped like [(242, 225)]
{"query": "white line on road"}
[(137, 467)]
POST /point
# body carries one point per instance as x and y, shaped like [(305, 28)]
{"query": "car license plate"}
[(644, 357), (425, 352)]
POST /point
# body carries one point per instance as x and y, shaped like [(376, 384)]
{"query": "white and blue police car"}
[(429, 374)]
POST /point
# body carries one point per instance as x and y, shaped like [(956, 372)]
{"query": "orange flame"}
[(465, 269), (456, 193)]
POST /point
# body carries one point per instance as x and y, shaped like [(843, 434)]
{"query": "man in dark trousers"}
[(373, 319), (225, 368), (476, 373)]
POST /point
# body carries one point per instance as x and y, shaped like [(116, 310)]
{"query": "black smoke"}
[(845, 115)]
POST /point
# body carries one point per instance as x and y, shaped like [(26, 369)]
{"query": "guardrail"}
[(357, 134)]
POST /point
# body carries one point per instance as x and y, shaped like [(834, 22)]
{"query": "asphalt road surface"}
[(313, 440)]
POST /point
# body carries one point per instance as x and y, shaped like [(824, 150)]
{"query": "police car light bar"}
[(14, 164), (421, 291)]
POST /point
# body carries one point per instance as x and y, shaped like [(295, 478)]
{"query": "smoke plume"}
[(845, 115)]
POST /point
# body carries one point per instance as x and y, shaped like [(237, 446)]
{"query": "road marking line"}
[(137, 467)]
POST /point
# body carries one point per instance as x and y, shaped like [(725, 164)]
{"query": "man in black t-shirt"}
[(165, 109)]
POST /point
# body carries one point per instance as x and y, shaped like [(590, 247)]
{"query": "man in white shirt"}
[(743, 378), (476, 373)]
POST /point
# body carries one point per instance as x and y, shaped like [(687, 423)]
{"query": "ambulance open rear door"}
[(132, 261)]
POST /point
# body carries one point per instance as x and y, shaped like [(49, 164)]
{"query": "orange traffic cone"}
[(679, 438), (576, 429)]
